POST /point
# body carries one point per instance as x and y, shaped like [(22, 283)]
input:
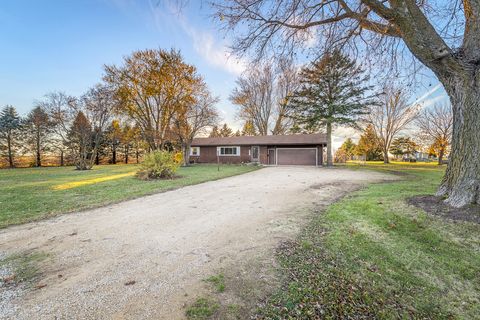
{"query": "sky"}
[(63, 45)]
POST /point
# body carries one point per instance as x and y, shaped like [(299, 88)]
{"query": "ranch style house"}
[(295, 149)]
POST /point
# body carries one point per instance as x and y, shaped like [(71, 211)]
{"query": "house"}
[(296, 149)]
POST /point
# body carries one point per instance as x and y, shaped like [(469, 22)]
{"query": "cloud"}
[(206, 45), (215, 52)]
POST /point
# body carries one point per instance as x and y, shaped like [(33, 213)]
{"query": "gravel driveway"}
[(163, 245)]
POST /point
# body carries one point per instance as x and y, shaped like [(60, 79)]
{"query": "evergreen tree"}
[(403, 146), (80, 141), (226, 131), (332, 92), (348, 148), (10, 123), (369, 146), (215, 132)]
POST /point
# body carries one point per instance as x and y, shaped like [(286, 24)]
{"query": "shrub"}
[(160, 165)]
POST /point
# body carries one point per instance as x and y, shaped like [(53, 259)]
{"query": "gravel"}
[(165, 244)]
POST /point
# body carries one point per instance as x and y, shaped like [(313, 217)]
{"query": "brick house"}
[(296, 149)]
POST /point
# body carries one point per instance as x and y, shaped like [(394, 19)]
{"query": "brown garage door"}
[(297, 156)]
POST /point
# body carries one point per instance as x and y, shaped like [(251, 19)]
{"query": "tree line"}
[(332, 91), (154, 100)]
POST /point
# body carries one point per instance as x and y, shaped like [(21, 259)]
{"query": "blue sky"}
[(63, 45)]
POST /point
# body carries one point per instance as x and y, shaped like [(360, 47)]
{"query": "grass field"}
[(371, 255), (35, 193)]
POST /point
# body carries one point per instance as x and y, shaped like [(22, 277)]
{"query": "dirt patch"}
[(435, 206)]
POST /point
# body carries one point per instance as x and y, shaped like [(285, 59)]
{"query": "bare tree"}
[(263, 93), (98, 105), (254, 95), (436, 125), (444, 36), (287, 83), (195, 119), (61, 109), (38, 128), (390, 117)]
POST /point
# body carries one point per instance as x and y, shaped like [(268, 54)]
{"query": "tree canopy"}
[(333, 91)]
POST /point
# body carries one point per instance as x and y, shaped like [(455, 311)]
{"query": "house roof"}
[(293, 139)]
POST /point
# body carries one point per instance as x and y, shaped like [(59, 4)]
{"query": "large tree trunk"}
[(10, 153), (126, 154), (186, 154), (461, 183), (440, 156), (329, 145), (386, 160)]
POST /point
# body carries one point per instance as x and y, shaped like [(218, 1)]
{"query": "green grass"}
[(22, 267), (371, 255), (203, 308), (218, 281), (29, 194)]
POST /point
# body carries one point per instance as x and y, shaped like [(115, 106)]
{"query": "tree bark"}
[(62, 162), (386, 160), (440, 156), (10, 154), (186, 154), (126, 154), (329, 145), (38, 161), (461, 183), (114, 155)]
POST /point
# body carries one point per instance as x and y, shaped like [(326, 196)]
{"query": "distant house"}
[(297, 149)]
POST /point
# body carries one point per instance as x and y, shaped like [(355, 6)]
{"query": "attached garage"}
[(297, 156), (296, 149)]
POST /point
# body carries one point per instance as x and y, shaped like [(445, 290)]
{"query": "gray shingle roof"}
[(293, 139)]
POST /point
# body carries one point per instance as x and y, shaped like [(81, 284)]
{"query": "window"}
[(195, 151), (228, 151)]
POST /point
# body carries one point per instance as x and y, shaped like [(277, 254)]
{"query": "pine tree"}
[(332, 92), (80, 140), (226, 131), (348, 147), (369, 146), (402, 146), (10, 123), (215, 132)]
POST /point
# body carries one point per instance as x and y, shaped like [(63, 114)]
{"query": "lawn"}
[(371, 255), (35, 193)]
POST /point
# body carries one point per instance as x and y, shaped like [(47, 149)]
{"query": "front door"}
[(255, 153), (271, 156)]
